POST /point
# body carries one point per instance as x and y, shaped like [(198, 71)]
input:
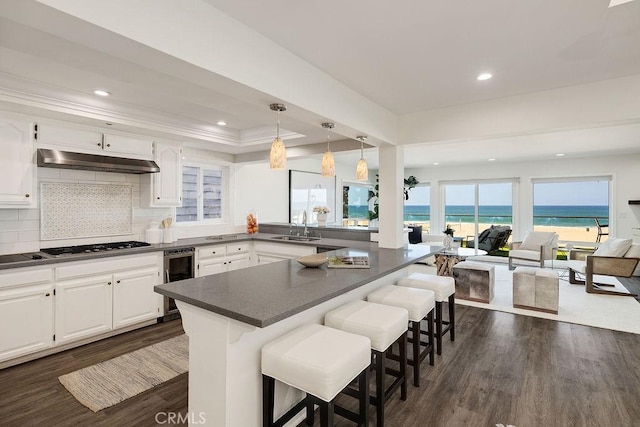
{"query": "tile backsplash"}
[(20, 228), (76, 210)]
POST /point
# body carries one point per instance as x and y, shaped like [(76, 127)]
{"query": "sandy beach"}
[(567, 234)]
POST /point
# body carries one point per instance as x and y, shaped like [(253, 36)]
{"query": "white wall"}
[(625, 171)]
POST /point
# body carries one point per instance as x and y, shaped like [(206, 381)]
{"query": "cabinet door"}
[(16, 164), (26, 320), (61, 138), (167, 188), (124, 145), (269, 258), (210, 266), (83, 307), (237, 262), (133, 297)]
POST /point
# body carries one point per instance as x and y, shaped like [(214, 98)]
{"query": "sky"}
[(590, 193)]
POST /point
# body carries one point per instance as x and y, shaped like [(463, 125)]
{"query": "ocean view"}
[(560, 216)]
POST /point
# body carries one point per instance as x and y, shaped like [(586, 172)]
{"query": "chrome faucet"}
[(291, 226), (305, 232)]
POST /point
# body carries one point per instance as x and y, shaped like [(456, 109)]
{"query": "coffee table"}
[(447, 258)]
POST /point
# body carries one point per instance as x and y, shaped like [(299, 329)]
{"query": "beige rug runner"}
[(110, 382)]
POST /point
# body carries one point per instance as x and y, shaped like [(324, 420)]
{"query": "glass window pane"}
[(357, 205), (459, 209), (212, 194), (189, 209), (417, 210), (570, 209)]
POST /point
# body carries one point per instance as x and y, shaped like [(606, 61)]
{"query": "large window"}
[(355, 204), (202, 194), (417, 209), (570, 206), (493, 202)]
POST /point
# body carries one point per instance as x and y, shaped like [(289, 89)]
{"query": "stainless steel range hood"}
[(93, 162)]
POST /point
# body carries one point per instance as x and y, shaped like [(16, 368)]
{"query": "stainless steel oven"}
[(179, 264)]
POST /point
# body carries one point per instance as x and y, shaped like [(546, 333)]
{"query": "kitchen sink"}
[(296, 238)]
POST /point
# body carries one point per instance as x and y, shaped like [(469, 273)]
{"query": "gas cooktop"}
[(102, 247)]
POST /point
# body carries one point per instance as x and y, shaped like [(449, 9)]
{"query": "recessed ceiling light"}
[(436, 164), (559, 154), (485, 76), (492, 160), (221, 123), (101, 92)]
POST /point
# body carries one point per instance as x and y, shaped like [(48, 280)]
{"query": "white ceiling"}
[(406, 56)]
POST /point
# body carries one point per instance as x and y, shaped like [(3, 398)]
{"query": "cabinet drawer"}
[(239, 248), (91, 268), (211, 252), (24, 276)]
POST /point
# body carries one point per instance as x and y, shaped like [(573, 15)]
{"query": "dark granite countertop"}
[(16, 261), (265, 294)]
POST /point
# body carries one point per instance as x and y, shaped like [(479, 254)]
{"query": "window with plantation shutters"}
[(203, 194)]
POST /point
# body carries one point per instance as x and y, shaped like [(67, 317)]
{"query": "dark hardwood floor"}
[(502, 368)]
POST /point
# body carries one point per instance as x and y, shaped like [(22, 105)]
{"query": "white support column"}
[(391, 198)]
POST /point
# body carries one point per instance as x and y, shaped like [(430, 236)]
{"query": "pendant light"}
[(328, 163), (362, 171), (278, 155)]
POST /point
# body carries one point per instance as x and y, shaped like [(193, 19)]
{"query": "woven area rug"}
[(110, 382), (618, 313)]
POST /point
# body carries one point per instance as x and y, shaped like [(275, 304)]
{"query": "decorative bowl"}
[(315, 260)]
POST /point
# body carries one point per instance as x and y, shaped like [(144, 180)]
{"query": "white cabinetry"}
[(93, 297), (222, 258), (17, 164), (26, 311), (83, 307), (165, 187), (271, 252), (92, 142)]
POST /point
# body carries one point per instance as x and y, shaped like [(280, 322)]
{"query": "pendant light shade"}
[(328, 162), (278, 154), (362, 170)]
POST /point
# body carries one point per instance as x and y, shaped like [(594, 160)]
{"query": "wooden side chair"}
[(601, 232)]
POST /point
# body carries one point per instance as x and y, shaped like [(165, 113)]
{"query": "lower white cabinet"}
[(221, 258), (83, 307), (93, 297), (266, 252), (26, 312), (132, 302)]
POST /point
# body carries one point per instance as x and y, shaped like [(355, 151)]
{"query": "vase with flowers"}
[(448, 237), (321, 212)]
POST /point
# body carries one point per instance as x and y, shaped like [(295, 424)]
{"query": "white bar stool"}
[(383, 325), (445, 288), (420, 304), (320, 361)]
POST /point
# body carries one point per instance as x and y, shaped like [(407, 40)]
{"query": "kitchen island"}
[(229, 317)]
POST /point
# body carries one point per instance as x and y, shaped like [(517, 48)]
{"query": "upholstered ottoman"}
[(535, 289), (474, 281)]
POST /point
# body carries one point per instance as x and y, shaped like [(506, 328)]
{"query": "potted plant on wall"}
[(409, 183)]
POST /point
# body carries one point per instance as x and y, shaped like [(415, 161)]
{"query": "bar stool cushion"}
[(418, 302), (383, 324), (442, 286), (317, 359)]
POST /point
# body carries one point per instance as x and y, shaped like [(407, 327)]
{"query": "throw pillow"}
[(613, 247), (633, 252), (534, 240)]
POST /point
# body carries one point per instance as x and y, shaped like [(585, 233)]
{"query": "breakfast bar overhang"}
[(230, 316)]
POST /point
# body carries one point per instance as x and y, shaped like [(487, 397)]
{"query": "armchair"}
[(537, 246), (616, 257)]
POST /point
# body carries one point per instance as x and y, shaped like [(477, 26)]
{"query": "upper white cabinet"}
[(92, 142), (17, 164), (165, 187)]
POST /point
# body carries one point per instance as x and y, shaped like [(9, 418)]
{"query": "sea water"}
[(559, 216)]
